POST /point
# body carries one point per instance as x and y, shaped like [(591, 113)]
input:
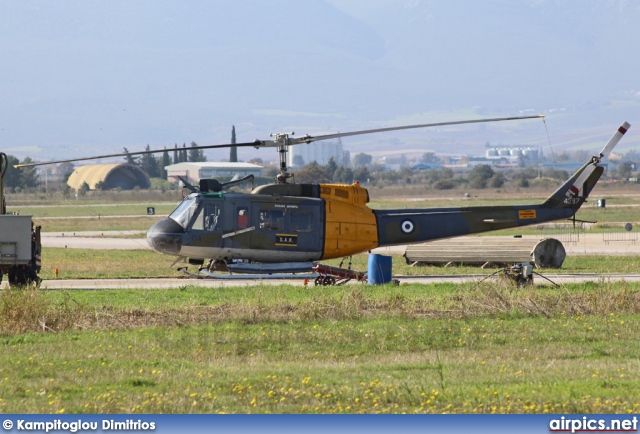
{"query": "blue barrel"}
[(379, 271)]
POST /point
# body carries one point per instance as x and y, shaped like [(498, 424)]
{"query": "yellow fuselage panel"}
[(350, 225)]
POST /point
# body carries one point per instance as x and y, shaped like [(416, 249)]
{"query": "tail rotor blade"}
[(613, 141)]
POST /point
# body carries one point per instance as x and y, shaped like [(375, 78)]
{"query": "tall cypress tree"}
[(183, 154), (166, 161), (176, 157), (233, 152)]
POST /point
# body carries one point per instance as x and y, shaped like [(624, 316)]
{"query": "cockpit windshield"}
[(182, 215)]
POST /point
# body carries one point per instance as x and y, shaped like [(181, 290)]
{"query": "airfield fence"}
[(563, 232), (616, 231)]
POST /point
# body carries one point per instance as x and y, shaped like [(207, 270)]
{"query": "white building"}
[(193, 172), (512, 154)]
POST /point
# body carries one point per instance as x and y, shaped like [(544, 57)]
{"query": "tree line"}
[(155, 166), (438, 178), (479, 176), (16, 179)]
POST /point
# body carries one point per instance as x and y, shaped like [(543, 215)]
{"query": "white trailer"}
[(20, 246), (15, 239)]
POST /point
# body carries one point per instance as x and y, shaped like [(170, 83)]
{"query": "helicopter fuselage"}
[(316, 222)]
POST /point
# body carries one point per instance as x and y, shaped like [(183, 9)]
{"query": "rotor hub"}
[(282, 141)]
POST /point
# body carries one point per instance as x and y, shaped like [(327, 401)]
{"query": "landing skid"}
[(321, 275), (205, 274)]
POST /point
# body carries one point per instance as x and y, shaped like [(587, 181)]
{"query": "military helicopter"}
[(286, 227)]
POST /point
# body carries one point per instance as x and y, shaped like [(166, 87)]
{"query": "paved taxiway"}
[(94, 284)]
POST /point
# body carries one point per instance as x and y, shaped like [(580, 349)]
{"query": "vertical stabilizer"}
[(577, 188)]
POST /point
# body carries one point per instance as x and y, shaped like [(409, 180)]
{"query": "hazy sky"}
[(91, 77)]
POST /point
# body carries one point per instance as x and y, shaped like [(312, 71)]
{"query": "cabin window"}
[(272, 219), (242, 218), (300, 221)]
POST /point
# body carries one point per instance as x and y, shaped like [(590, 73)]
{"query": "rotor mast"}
[(282, 141)]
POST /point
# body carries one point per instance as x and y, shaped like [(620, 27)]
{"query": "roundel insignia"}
[(407, 226)]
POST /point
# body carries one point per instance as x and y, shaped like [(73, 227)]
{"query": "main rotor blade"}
[(290, 140), (310, 139), (126, 154)]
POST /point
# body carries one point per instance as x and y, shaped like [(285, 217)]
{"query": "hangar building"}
[(117, 175)]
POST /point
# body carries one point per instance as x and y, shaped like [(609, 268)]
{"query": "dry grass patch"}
[(27, 310), (37, 311)]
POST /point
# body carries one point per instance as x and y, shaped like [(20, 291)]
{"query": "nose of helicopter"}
[(165, 236)]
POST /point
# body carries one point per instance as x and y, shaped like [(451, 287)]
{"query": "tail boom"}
[(413, 226)]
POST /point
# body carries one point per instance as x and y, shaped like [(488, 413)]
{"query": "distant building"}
[(320, 152), (117, 175), (515, 154), (193, 172)]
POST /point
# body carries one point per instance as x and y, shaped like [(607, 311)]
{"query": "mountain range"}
[(84, 78)]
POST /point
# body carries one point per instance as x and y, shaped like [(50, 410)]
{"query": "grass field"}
[(415, 348)]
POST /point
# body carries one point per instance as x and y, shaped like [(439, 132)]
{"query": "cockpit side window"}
[(212, 220), (198, 221), (207, 218), (183, 213)]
